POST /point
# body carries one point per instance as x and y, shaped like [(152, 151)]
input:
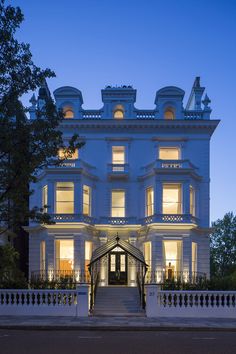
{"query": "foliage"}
[(202, 283), (61, 283), (10, 276), (223, 246), (26, 145)]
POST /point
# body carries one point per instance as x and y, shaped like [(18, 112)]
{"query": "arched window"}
[(169, 114), (68, 112), (118, 112)]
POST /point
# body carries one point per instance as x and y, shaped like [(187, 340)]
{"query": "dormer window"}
[(68, 112), (169, 114), (118, 112)]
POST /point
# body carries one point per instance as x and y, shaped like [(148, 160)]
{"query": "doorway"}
[(117, 274)]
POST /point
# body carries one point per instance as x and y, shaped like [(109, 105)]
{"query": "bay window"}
[(65, 256), (172, 258)]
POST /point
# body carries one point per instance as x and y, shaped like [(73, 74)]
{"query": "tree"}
[(223, 245), (26, 145)]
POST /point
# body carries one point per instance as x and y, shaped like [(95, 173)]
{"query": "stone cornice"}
[(162, 125)]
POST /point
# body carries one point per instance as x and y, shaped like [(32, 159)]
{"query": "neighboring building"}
[(142, 174)]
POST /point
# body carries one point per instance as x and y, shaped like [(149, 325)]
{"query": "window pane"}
[(45, 198), (65, 197), (169, 154), (118, 114), (172, 258), (62, 153), (65, 255), (118, 204), (149, 201), (172, 203), (122, 263), (118, 155), (192, 201), (86, 200)]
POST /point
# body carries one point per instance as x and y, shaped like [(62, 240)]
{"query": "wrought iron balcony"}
[(118, 170), (170, 219)]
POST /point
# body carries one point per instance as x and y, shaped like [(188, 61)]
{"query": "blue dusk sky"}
[(148, 44)]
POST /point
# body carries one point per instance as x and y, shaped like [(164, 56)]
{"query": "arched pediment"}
[(170, 91), (68, 92)]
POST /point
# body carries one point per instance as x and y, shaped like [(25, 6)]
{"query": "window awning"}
[(110, 245)]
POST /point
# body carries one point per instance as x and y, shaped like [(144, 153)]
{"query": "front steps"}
[(117, 301)]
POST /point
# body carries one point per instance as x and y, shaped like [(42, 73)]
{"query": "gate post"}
[(82, 307), (151, 300)]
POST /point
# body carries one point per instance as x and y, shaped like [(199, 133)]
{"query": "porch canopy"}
[(124, 245)]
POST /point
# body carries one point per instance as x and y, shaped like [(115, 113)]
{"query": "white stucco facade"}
[(143, 174)]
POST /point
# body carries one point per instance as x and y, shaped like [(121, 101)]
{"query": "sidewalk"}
[(116, 323)]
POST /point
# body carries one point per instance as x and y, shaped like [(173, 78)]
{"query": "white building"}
[(142, 175)]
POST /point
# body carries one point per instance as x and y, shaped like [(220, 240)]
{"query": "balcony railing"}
[(104, 220), (72, 218), (193, 114), (118, 220), (118, 170), (170, 218)]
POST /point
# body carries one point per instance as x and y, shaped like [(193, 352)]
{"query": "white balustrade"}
[(44, 302), (212, 304)]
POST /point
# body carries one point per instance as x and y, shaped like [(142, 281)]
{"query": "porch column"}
[(187, 257)]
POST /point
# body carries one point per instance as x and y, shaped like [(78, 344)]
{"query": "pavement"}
[(116, 323)]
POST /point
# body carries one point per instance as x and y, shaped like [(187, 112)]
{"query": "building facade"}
[(142, 175)]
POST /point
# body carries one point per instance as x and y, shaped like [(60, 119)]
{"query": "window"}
[(172, 258), (65, 256), (118, 158), (117, 203), (88, 253), (42, 256), (62, 153), (68, 112), (172, 199), (147, 250), (65, 198), (169, 114), (149, 201), (192, 200), (169, 153), (45, 198), (86, 200), (194, 258), (118, 114)]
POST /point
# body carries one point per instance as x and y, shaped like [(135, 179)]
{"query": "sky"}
[(148, 44)]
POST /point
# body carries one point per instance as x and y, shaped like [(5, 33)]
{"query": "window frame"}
[(152, 205), (118, 208), (68, 201), (89, 204), (180, 201)]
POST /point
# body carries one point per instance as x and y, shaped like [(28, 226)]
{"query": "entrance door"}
[(117, 268)]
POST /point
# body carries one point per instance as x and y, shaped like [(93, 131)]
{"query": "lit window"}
[(42, 256), (45, 198), (117, 203), (172, 199), (149, 201), (68, 112), (65, 198), (194, 258), (88, 253), (118, 114), (169, 114), (86, 200), (172, 258), (62, 153), (65, 256), (192, 201), (147, 251), (169, 153), (118, 158)]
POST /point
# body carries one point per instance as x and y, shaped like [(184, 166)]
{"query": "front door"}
[(117, 268)]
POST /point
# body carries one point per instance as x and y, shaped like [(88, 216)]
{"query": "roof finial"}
[(117, 238)]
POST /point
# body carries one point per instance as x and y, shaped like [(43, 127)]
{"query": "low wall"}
[(212, 304), (45, 302)]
